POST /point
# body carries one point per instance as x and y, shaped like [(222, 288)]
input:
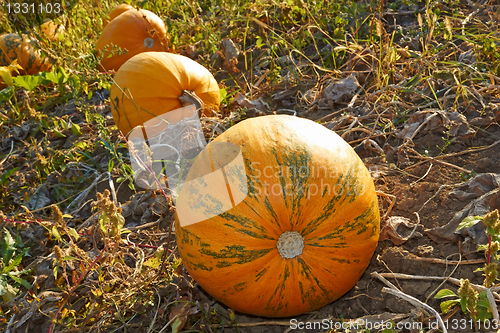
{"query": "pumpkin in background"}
[(303, 234), (120, 9), (150, 84), (27, 53), (136, 30), (51, 30)]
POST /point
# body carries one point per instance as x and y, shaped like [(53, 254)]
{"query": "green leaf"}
[(76, 82), (178, 324), (445, 293), (258, 42), (19, 241), (70, 258), (76, 129), (80, 144), (484, 314), (7, 291), (44, 123), (155, 261), (50, 76), (28, 82), (5, 176), (62, 76), (483, 303), (463, 304), (17, 260), (103, 219), (469, 221), (110, 166), (232, 315), (64, 124), (58, 134), (121, 221), (56, 233), (73, 233), (7, 248), (24, 271), (22, 282), (223, 94), (447, 305), (6, 94), (3, 284)]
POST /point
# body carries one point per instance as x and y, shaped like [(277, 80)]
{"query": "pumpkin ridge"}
[(271, 211), (248, 232), (311, 295), (359, 222), (200, 266), (280, 176), (236, 252), (242, 221), (330, 208), (260, 274)]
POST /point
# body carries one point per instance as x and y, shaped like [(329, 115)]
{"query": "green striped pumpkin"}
[(26, 51), (302, 236)]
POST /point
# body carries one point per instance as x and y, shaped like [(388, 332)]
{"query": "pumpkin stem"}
[(290, 244), (149, 42), (189, 97)]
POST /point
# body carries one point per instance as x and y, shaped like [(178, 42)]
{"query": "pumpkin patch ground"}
[(411, 87)]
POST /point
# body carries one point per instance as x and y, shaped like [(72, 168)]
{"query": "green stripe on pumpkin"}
[(236, 252), (242, 221), (248, 232)]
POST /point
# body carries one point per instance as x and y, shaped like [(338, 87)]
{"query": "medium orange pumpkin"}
[(26, 51), (302, 236), (150, 84), (120, 9), (136, 30)]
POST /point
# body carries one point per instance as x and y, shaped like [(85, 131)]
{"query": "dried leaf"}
[(179, 312), (394, 233)]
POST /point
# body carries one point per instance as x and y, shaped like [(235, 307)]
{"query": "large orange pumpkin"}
[(150, 84), (302, 236), (27, 53), (120, 9), (136, 30)]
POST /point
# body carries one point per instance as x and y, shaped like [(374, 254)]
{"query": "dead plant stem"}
[(75, 285)]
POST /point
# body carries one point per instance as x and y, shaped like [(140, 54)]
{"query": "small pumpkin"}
[(27, 53), (136, 30), (151, 83), (51, 30), (122, 8), (302, 235)]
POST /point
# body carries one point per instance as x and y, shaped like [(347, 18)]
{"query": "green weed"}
[(13, 251), (471, 301)]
